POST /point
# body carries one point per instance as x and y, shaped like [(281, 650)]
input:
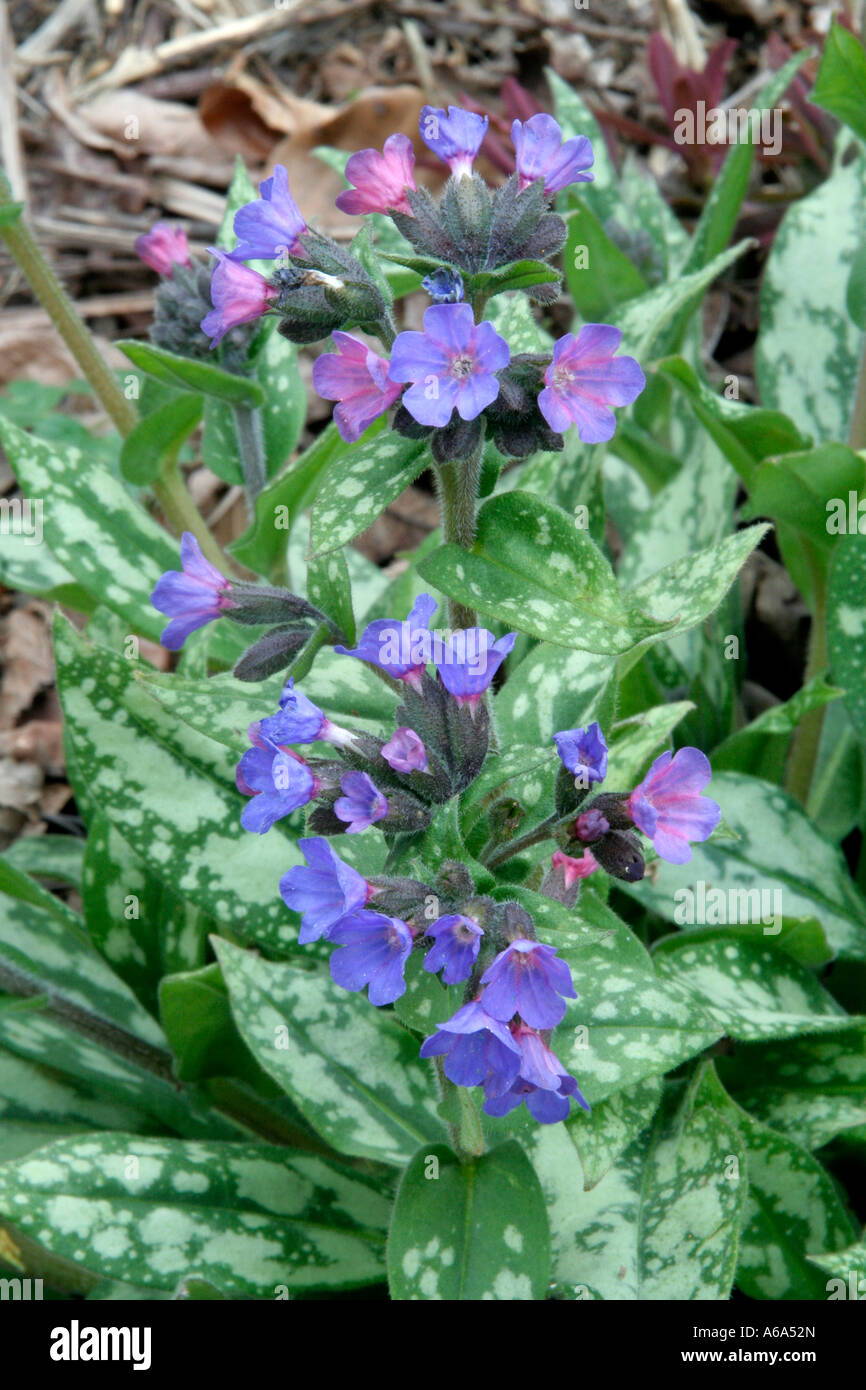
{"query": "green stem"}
[(170, 492), (513, 847), (458, 490), (60, 309)]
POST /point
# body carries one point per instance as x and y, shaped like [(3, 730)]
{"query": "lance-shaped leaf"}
[(846, 625), (808, 349), (549, 691), (170, 792), (359, 486), (472, 1231), (204, 378), (351, 1070), (751, 990), (249, 1218), (840, 86), (810, 1089), (607, 1130), (157, 435)]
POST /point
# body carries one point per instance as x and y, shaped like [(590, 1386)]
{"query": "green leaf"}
[(848, 1269), (778, 851), (846, 625), (285, 404), (518, 275), (803, 489), (809, 1089), (550, 690), (808, 350), (607, 1130), (249, 1218), (761, 747), (170, 792), (469, 1231), (94, 529), (329, 588), (48, 856), (32, 569), (575, 118), (219, 442), (751, 990), (793, 1211), (158, 436), (241, 190), (512, 317), (191, 374), (531, 567), (643, 319), (605, 277), (744, 433), (359, 487), (840, 86), (855, 293), (41, 1096), (10, 213), (351, 1070), (197, 1018)]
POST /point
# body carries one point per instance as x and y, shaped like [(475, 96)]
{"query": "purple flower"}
[(542, 154), (405, 752), (590, 826), (380, 180), (400, 649), (270, 226), (324, 891), (574, 869), (444, 285), (239, 295), (374, 952), (477, 1049), (584, 752), (668, 807), (277, 780), (585, 379), (470, 661), (528, 978), (452, 365), (454, 137), (358, 378), (163, 247), (191, 597), (458, 941), (543, 1083), (361, 804), (300, 721)]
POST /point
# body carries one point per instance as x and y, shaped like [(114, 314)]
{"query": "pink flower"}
[(357, 378), (405, 752), (585, 379), (239, 295), (668, 807), (575, 868), (543, 154), (380, 180), (162, 247)]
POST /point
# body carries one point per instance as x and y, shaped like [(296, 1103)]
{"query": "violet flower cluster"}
[(515, 986), (457, 374)]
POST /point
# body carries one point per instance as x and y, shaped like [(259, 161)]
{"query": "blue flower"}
[(444, 285), (361, 804), (300, 721), (527, 978), (477, 1049), (278, 781), (191, 597), (454, 136), (542, 154), (470, 660), (269, 227), (374, 951), (584, 752), (452, 365), (543, 1083), (324, 890), (458, 941), (400, 649)]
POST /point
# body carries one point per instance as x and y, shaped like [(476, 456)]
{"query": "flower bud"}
[(271, 653), (619, 853)]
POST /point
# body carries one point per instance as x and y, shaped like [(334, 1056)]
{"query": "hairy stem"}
[(458, 491), (507, 851), (169, 490)]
